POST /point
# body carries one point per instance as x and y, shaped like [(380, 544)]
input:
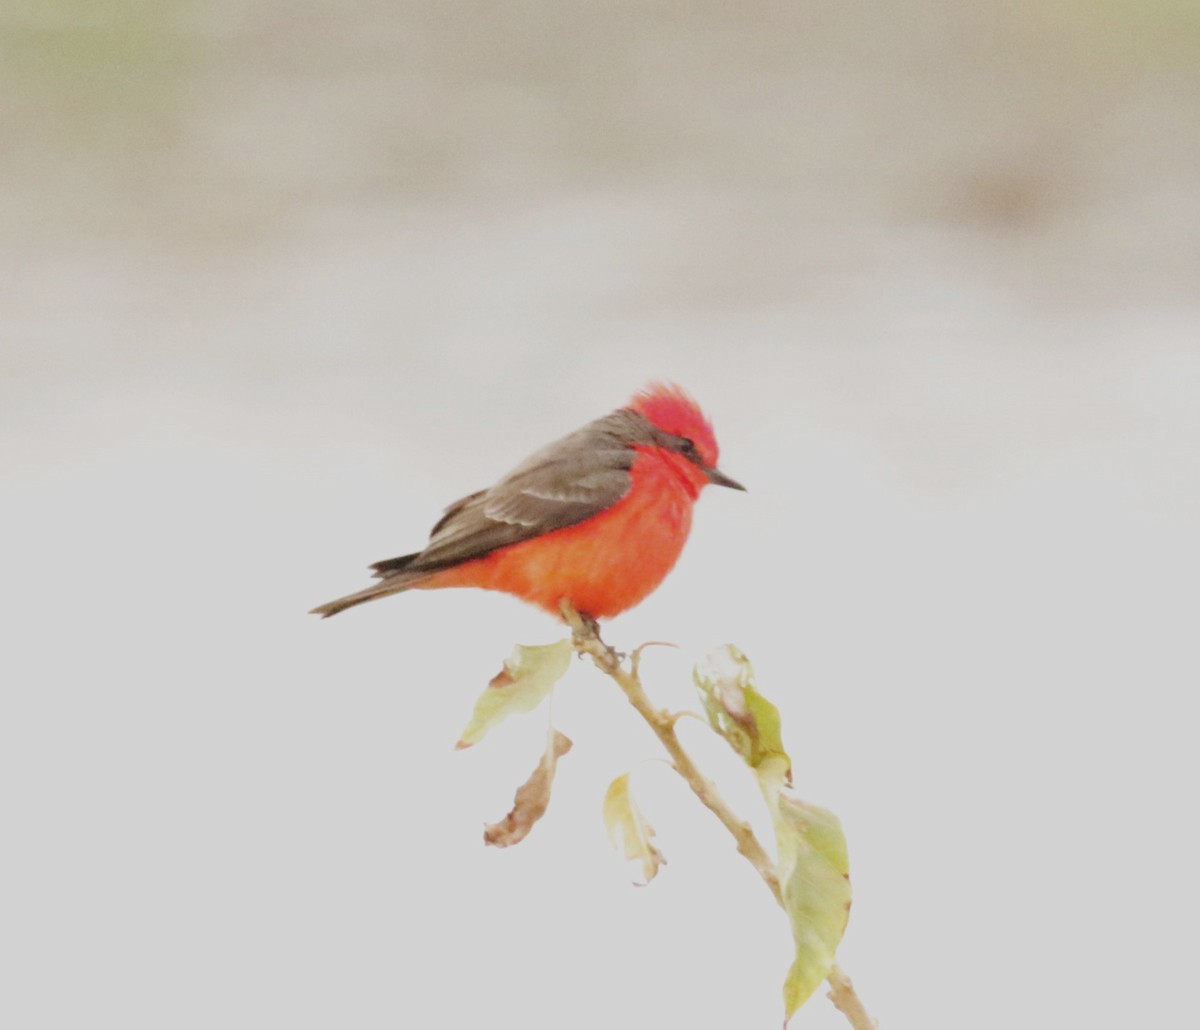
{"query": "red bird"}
[(596, 519)]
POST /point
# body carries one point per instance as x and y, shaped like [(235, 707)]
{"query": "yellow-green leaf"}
[(814, 877), (738, 712), (532, 797), (527, 677), (628, 829)]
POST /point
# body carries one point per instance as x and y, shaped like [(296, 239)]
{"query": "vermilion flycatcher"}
[(596, 519)]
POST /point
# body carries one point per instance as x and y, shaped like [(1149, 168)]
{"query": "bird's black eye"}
[(687, 447)]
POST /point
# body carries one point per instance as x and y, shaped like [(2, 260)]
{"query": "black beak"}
[(717, 476)]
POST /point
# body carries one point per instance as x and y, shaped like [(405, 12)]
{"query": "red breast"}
[(602, 566)]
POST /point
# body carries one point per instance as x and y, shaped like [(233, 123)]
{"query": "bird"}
[(594, 520)]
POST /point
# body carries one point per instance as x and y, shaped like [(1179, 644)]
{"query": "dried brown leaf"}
[(532, 797)]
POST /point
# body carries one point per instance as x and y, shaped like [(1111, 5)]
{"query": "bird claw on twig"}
[(585, 632), (590, 626)]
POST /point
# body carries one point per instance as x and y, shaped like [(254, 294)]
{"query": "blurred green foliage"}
[(95, 74)]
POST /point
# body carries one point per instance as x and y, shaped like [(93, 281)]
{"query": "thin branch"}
[(662, 722), (841, 993)]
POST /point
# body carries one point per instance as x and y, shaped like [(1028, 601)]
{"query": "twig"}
[(587, 641), (841, 993)]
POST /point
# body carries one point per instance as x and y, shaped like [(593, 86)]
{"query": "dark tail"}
[(393, 579), (383, 569)]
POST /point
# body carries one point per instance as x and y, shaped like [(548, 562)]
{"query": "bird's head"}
[(687, 431)]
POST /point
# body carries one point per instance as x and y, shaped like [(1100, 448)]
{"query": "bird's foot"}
[(585, 632), (590, 626)]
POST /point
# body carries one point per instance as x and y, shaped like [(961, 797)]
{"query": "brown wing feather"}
[(567, 482)]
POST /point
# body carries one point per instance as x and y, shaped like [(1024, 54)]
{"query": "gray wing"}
[(565, 483)]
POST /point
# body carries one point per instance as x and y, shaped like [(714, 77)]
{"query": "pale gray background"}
[(277, 281)]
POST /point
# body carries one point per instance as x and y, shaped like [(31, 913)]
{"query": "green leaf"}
[(628, 829), (739, 713), (532, 797), (813, 865), (527, 677), (814, 877)]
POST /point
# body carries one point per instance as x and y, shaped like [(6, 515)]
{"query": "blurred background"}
[(279, 281)]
